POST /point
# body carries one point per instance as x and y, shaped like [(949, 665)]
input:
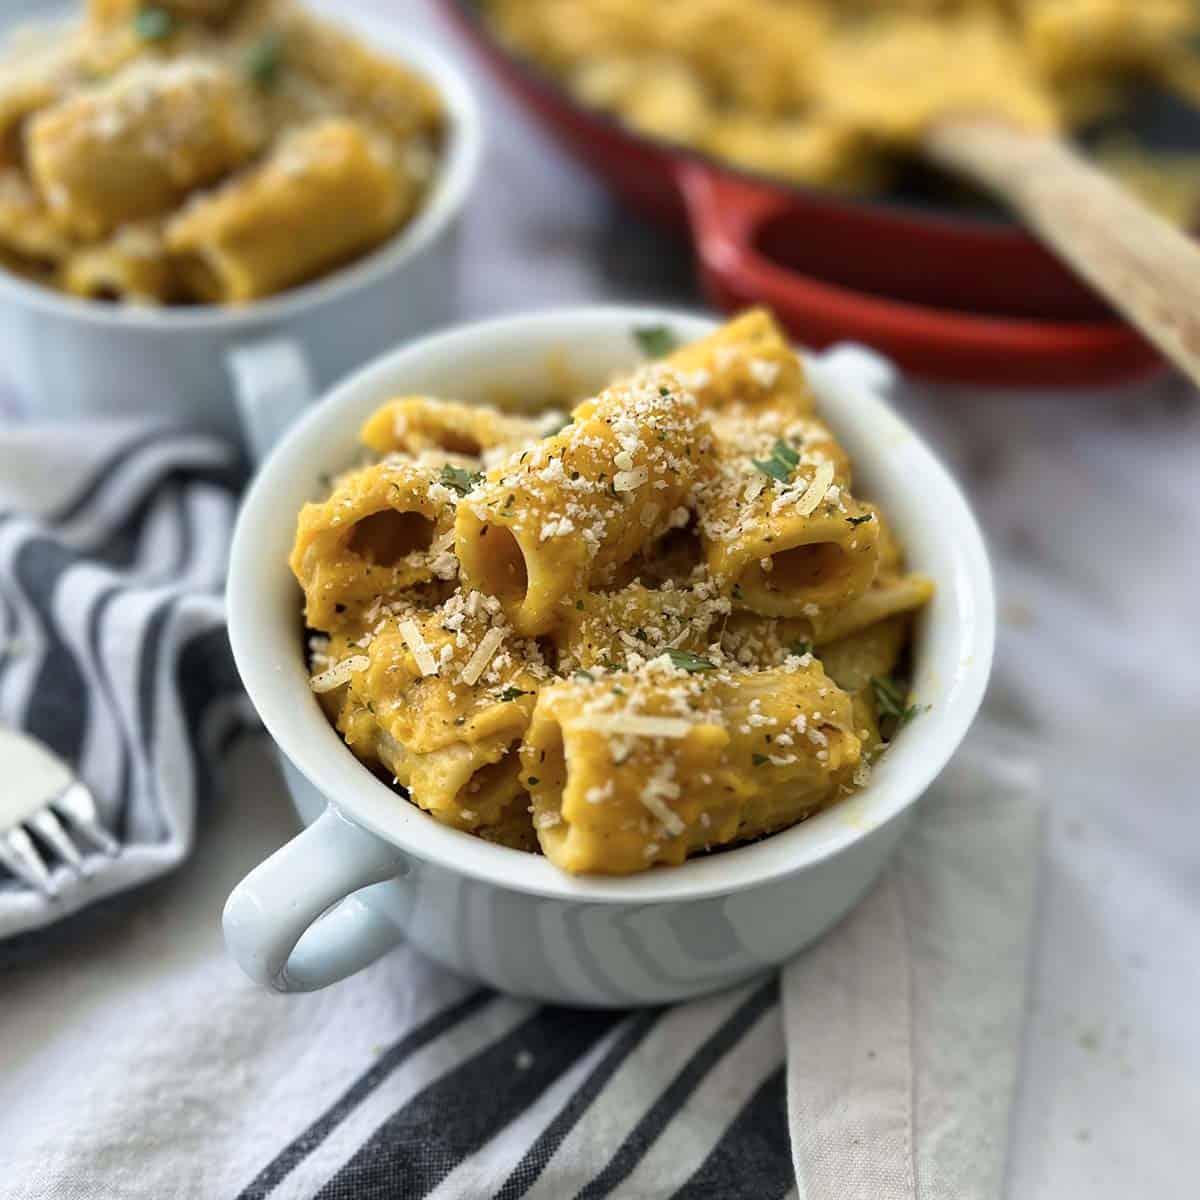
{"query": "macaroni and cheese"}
[(660, 625), (205, 151), (834, 93)]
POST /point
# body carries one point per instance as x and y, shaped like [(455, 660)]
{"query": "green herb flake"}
[(801, 648), (461, 480), (153, 24), (685, 660), (264, 60), (890, 700), (782, 451), (579, 606), (859, 520), (759, 759), (582, 674), (655, 340), (512, 693), (774, 468), (782, 462), (534, 781)]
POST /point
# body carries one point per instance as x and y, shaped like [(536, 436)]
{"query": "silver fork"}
[(38, 791)]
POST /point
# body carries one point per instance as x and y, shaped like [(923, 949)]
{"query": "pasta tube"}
[(131, 266), (852, 662), (746, 362), (894, 592), (780, 527), (441, 698), (629, 771), (552, 521), (135, 147), (384, 528), (378, 89), (27, 230), (622, 629), (30, 83), (419, 424), (328, 193)]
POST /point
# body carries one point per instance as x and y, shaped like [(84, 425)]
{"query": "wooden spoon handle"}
[(1146, 269)]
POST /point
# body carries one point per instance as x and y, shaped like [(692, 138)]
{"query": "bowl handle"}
[(272, 385), (727, 213), (273, 919)]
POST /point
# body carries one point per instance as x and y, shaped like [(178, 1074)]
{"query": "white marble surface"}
[(1092, 507)]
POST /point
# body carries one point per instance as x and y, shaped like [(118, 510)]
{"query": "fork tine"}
[(47, 826), (79, 805), (20, 856)]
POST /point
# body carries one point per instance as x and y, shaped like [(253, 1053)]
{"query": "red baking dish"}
[(951, 297)]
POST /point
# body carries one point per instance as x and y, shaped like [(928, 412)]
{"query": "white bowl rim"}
[(457, 172), (915, 760)]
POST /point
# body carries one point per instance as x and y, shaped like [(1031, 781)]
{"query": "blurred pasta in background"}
[(204, 151), (832, 93)]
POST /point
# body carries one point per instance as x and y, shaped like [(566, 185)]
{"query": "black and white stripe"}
[(113, 547), (114, 653), (488, 1097)]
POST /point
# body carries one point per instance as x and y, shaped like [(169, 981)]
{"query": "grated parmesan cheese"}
[(639, 726), (671, 821), (339, 673), (477, 663), (415, 640), (815, 492)]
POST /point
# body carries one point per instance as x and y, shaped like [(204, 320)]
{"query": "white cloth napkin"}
[(137, 1062), (113, 544)]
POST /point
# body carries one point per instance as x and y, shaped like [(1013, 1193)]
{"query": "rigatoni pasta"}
[(327, 193), (260, 146), (554, 636), (561, 516), (136, 146)]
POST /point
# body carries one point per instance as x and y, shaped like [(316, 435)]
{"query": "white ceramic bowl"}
[(512, 919), (219, 368)]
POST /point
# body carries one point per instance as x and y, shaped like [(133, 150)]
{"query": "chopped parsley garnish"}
[(534, 781), (859, 520), (685, 660), (641, 635), (782, 451), (801, 648), (890, 700), (759, 759), (511, 693), (782, 462), (579, 606), (153, 24), (461, 480), (264, 59), (655, 340), (582, 674)]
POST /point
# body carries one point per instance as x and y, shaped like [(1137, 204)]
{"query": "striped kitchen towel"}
[(139, 1063), (113, 544)]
